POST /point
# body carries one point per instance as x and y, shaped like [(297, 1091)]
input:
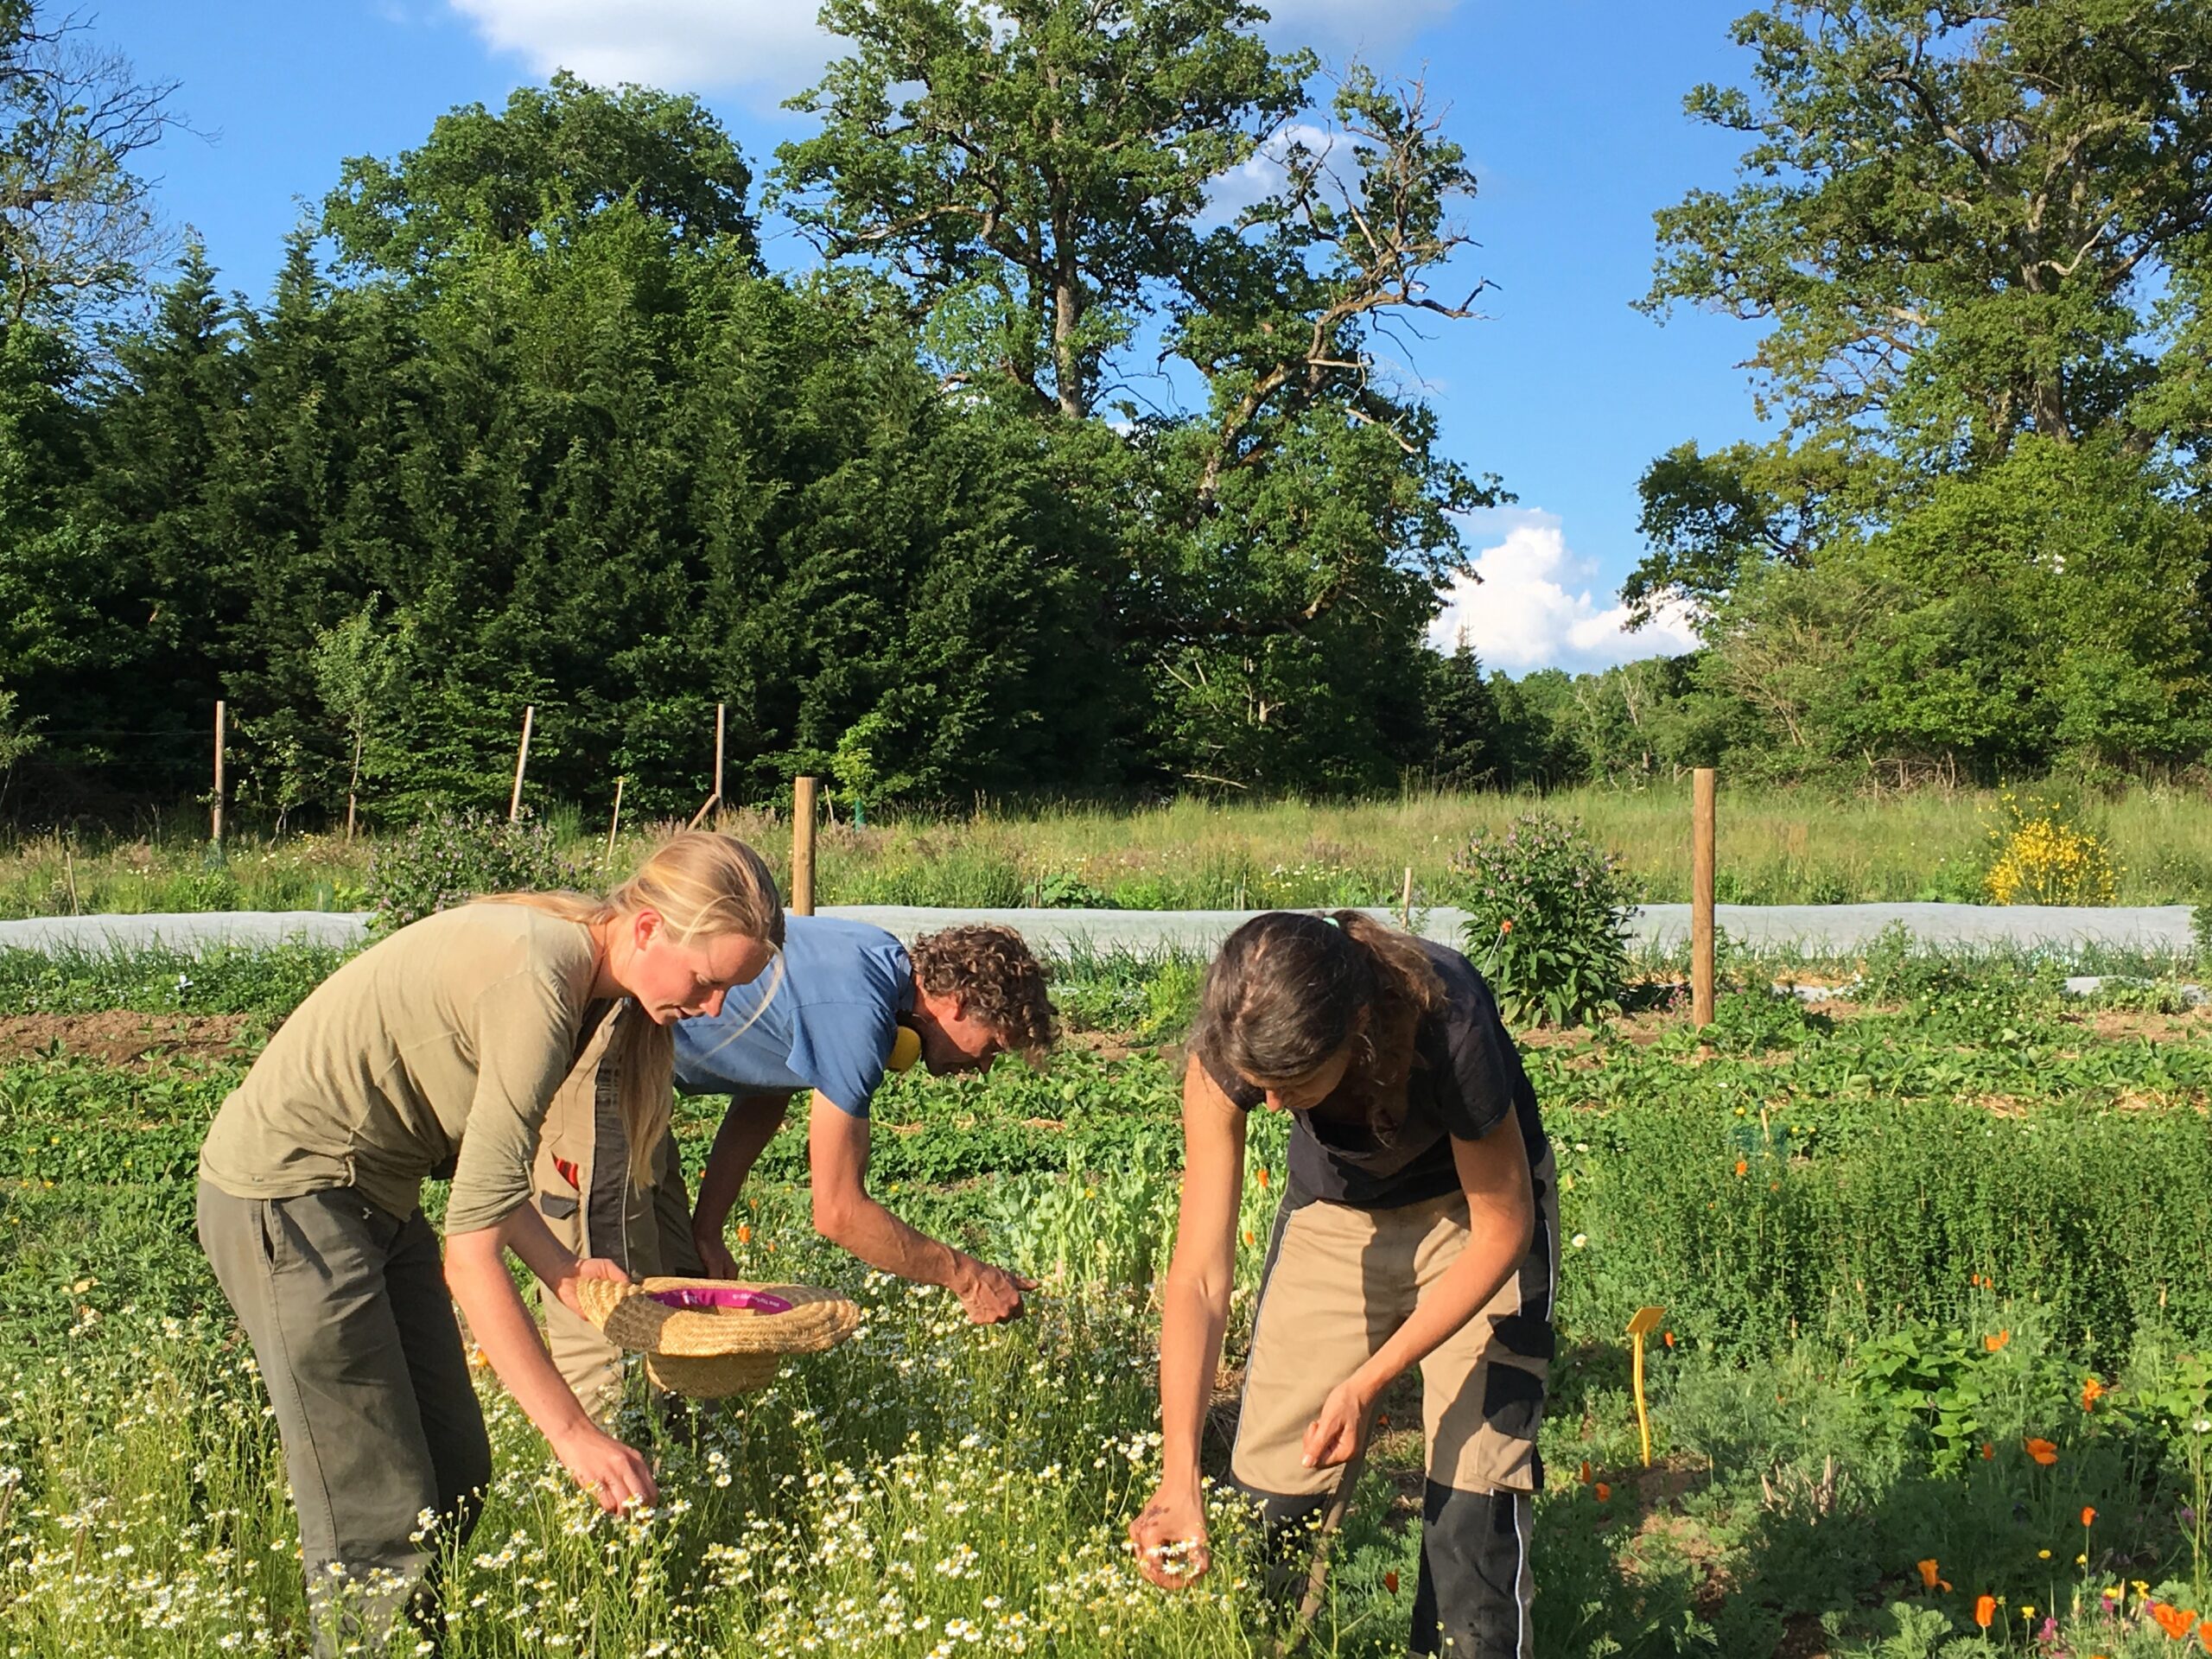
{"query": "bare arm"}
[(476, 1273), (1194, 1313), (1501, 1220), (845, 1214), (746, 1129)]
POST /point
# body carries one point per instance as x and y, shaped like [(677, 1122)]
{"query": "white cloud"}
[(1261, 174), (1522, 615), (688, 45), (776, 46)]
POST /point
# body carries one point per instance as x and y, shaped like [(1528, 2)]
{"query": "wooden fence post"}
[(1703, 811), (613, 823), (718, 750), (215, 830), (522, 760), (802, 897)]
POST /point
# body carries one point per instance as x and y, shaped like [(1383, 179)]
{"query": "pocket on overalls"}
[(563, 1163)]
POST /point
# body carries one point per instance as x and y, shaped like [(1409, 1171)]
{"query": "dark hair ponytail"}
[(1288, 988)]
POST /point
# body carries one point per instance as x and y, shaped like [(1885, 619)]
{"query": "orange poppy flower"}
[(1928, 1573), (2041, 1450), (1742, 1166), (2205, 1635), (744, 1233), (1668, 1337), (2088, 1516), (1390, 1581), (1992, 1343), (1603, 1491), (1988, 1452), (2092, 1391), (1984, 1611), (2174, 1622), (1263, 1178), (1248, 1239), (1586, 1472), (1505, 927)]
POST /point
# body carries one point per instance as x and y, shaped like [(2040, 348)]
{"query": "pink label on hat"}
[(710, 1298)]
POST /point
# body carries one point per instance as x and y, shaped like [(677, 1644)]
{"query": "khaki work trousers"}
[(1339, 1282), (347, 1308)]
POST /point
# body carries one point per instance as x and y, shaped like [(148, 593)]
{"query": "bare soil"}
[(119, 1038)]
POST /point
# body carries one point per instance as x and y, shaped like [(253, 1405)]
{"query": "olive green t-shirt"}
[(467, 1020)]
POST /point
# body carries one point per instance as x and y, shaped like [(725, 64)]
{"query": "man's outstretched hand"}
[(991, 1295)]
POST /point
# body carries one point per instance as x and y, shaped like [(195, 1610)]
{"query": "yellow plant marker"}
[(1645, 1322)]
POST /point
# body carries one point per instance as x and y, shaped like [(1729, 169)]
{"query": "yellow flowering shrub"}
[(2042, 859)]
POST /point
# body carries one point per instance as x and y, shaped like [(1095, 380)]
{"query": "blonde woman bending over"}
[(437, 1050)]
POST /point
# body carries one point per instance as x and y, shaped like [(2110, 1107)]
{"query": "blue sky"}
[(1570, 112)]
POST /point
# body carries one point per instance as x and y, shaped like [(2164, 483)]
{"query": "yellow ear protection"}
[(906, 1049)]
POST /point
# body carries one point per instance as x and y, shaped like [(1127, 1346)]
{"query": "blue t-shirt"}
[(826, 1022)]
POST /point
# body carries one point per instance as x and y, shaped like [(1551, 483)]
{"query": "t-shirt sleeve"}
[(841, 1049), (1482, 1067), (1242, 1095), (525, 1041)]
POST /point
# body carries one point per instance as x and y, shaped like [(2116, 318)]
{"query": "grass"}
[(1886, 1239), (1774, 847)]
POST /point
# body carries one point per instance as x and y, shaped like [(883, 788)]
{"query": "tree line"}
[(1053, 473)]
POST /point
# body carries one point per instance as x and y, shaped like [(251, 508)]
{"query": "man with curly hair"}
[(847, 1003)]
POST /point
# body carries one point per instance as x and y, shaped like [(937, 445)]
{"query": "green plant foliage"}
[(1896, 1245), (1548, 920), (457, 856), (159, 980)]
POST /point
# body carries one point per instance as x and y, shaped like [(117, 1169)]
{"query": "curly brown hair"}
[(991, 970)]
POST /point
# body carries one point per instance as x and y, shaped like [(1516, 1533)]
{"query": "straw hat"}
[(708, 1338)]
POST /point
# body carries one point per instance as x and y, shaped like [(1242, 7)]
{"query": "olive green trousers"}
[(384, 1446)]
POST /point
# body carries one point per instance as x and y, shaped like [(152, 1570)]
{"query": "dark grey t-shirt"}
[(1466, 1077)]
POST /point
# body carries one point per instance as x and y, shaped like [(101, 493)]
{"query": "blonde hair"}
[(703, 886)]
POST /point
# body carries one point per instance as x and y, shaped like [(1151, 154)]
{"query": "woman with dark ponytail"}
[(1420, 1225)]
